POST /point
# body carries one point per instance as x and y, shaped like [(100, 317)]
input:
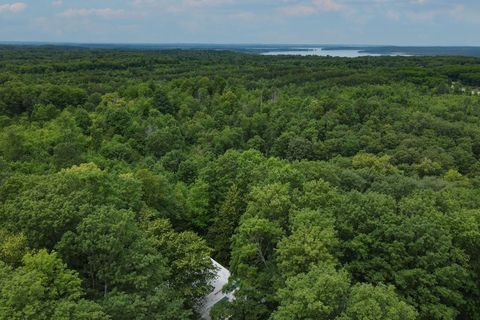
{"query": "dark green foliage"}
[(162, 103)]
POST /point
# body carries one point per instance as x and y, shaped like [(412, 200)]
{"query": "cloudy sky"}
[(398, 22)]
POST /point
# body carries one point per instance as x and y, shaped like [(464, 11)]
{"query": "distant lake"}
[(324, 53)]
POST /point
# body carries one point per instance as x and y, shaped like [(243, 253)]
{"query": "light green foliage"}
[(187, 256), (45, 207), (427, 167), (12, 247), (197, 204), (112, 244), (317, 195), (163, 305), (413, 250), (311, 242), (157, 191), (234, 167), (253, 246), (271, 202), (380, 164), (457, 178), (367, 302), (163, 135), (319, 294), (43, 288), (44, 112), (225, 222)]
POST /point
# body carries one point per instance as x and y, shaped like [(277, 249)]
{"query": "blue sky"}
[(397, 22)]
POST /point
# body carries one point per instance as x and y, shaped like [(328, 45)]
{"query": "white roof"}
[(220, 280)]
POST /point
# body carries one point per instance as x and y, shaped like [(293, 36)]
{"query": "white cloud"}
[(455, 11), (57, 3), (178, 7), (205, 3), (97, 12), (298, 10), (393, 15), (312, 7), (327, 5), (13, 7), (143, 2), (245, 16), (180, 4)]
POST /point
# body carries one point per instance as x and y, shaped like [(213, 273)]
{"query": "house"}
[(216, 296)]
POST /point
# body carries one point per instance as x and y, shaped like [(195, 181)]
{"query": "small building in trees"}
[(217, 295)]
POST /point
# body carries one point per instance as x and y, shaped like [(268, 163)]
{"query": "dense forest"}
[(332, 188)]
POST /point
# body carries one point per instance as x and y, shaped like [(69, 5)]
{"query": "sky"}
[(375, 22)]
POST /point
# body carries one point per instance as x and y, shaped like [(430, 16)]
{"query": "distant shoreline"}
[(270, 48)]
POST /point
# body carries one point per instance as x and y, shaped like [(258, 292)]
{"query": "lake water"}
[(324, 53)]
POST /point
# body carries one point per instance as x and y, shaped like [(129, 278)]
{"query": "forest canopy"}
[(332, 188)]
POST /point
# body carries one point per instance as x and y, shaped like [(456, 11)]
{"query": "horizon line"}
[(39, 42)]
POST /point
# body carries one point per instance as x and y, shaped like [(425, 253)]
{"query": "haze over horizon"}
[(369, 22)]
